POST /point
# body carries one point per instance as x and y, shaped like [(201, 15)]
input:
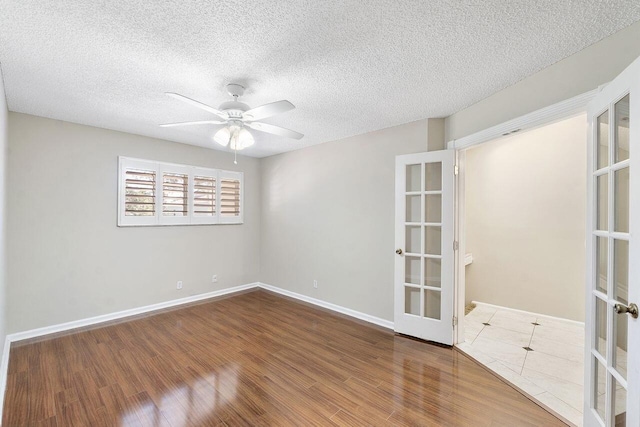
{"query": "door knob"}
[(399, 251), (632, 309)]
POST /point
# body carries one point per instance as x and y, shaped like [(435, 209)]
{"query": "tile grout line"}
[(477, 335), (543, 389), (483, 327), (528, 345), (563, 401), (555, 377)]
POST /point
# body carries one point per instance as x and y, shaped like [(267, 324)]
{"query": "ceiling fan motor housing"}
[(234, 108)]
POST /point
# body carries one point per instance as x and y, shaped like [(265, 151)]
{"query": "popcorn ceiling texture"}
[(350, 67)]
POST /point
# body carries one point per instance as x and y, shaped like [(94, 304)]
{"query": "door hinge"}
[(455, 245), (455, 170), (454, 322)]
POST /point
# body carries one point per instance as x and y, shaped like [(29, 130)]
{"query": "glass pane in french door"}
[(619, 356), (619, 405), (423, 240), (602, 145), (412, 300), (413, 241), (622, 129), (610, 236)]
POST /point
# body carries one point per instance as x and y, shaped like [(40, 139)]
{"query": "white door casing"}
[(612, 356), (424, 236)]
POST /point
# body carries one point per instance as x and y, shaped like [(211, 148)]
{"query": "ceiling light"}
[(236, 137)]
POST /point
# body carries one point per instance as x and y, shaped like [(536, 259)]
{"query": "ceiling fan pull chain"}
[(235, 148)]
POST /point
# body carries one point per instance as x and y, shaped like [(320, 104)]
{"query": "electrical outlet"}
[(179, 286), (315, 284), (214, 278)]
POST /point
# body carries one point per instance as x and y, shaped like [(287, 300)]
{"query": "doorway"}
[(524, 237), (612, 271)]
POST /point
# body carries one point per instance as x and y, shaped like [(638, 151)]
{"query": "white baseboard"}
[(333, 307), (33, 333), (546, 316), (47, 330), (61, 327)]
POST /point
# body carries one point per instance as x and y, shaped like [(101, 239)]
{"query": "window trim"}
[(160, 168)]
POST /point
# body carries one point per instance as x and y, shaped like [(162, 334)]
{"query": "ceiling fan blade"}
[(201, 122), (268, 110), (198, 104), (276, 130)]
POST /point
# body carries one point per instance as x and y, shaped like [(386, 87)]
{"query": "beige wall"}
[(327, 210), (3, 217), (525, 220), (328, 214), (436, 140), (320, 216), (67, 258), (577, 74)]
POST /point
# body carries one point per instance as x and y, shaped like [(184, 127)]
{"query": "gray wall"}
[(577, 74), (67, 258), (525, 220), (328, 214), (3, 216)]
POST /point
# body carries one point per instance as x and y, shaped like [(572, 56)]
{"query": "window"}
[(140, 199), (230, 201), (204, 196), (157, 193), (175, 194)]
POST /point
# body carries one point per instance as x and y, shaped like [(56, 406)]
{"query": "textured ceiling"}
[(350, 67)]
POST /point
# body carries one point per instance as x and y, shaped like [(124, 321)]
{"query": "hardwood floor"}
[(253, 359)]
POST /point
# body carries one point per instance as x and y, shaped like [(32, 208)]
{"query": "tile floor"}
[(551, 372)]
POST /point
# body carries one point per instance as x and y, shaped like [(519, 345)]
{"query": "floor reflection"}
[(253, 359)]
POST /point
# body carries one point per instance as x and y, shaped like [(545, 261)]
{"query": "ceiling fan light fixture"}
[(238, 138), (238, 119), (243, 140), (222, 136)]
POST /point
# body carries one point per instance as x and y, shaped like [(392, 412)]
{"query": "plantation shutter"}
[(205, 192), (204, 196), (175, 205), (231, 197), (157, 193), (175, 194), (140, 193)]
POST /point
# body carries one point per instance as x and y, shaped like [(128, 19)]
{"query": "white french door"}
[(612, 363), (423, 303)]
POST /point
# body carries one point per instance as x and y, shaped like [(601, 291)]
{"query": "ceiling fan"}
[(239, 118)]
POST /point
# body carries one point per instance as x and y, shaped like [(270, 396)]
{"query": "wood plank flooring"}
[(253, 359)]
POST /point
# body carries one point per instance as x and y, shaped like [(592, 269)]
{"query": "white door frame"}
[(459, 234), (542, 117)]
